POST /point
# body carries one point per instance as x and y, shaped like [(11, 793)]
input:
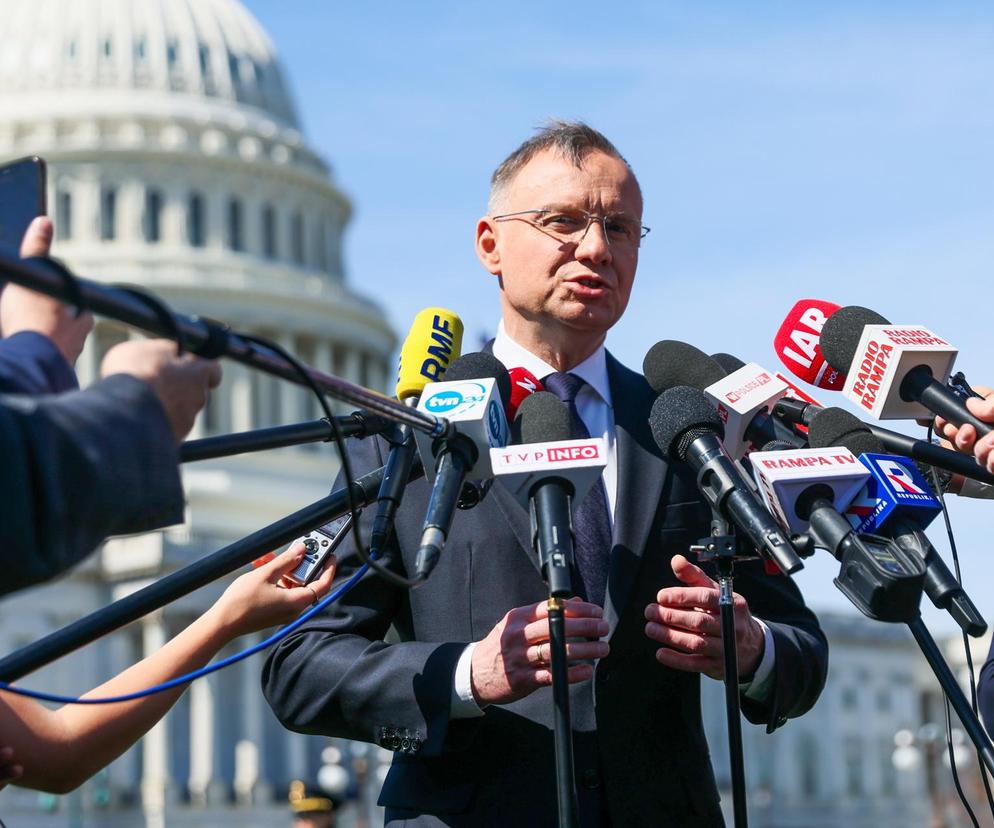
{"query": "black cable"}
[(161, 311), (966, 643), (361, 550), (952, 764)]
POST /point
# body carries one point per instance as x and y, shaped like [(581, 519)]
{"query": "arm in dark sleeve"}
[(985, 691), (79, 467), (30, 363), (800, 647), (336, 676)]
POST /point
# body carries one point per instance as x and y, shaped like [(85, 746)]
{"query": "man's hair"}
[(573, 140)]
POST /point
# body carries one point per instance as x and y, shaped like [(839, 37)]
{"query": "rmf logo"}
[(900, 477)]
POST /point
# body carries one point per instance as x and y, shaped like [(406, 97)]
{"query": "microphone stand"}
[(721, 548), (884, 582), (204, 337), (177, 584), (357, 424), (555, 553)]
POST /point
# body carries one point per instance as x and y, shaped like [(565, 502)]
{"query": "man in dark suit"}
[(454, 676)]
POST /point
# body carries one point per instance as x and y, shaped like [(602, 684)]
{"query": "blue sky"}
[(841, 151)]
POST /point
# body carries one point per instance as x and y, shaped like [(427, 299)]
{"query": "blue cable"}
[(203, 671)]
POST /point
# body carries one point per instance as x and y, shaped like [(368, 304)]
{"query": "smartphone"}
[(22, 197), (318, 547)]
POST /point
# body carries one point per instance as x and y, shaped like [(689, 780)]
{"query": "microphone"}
[(433, 342), (800, 413), (687, 428), (897, 502), (797, 343), (471, 399), (742, 398), (546, 474), (523, 383), (893, 368)]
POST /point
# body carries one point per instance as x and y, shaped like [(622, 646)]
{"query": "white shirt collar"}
[(593, 370)]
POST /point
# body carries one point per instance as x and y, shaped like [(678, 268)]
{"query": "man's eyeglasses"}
[(572, 225)]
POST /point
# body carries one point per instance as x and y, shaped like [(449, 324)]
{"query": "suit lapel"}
[(641, 473)]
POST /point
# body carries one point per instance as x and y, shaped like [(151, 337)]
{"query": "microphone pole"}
[(204, 337), (177, 584), (357, 424)]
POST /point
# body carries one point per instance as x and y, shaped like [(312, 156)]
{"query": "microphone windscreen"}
[(433, 343), (671, 363), (542, 417), (481, 365), (842, 332), (523, 384), (837, 427), (679, 416), (729, 362), (797, 344)]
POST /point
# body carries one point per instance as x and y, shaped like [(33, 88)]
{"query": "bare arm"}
[(58, 750)]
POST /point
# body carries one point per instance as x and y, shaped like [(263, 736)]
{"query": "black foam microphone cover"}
[(671, 363), (841, 334), (481, 365), (679, 416), (542, 417), (837, 427), (729, 362)]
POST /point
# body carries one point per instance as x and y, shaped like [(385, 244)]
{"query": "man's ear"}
[(486, 245)]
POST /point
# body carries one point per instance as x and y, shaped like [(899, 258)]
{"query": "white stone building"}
[(176, 162)]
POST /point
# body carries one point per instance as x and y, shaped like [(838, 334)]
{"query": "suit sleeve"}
[(336, 676), (79, 467), (31, 364), (801, 663)]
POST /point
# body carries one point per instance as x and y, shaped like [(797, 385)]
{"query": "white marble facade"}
[(176, 163)]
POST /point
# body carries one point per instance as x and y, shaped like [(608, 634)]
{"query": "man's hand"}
[(964, 438), (686, 621), (181, 383), (24, 310), (513, 660), (10, 770)]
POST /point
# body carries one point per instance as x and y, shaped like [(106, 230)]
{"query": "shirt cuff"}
[(463, 704), (761, 684)]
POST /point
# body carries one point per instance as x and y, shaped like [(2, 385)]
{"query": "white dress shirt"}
[(593, 404)]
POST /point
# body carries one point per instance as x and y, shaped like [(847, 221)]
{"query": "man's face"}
[(563, 287)]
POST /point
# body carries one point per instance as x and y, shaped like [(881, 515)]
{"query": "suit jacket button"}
[(590, 779)]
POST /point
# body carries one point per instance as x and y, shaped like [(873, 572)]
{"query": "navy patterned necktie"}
[(591, 520)]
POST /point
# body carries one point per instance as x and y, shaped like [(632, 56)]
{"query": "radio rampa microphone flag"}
[(433, 343), (895, 371), (797, 343), (523, 383)]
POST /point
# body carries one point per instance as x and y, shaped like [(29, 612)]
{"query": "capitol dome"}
[(178, 54), (176, 162)]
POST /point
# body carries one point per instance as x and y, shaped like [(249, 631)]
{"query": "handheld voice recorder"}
[(318, 547)]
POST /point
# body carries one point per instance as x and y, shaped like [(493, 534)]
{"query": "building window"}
[(269, 232), (140, 50), (888, 773), (849, 698), (321, 247), (153, 216), (883, 700), (63, 214), (195, 224), (172, 53), (108, 213), (108, 48), (297, 238), (854, 767), (235, 239), (205, 60), (807, 750)]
